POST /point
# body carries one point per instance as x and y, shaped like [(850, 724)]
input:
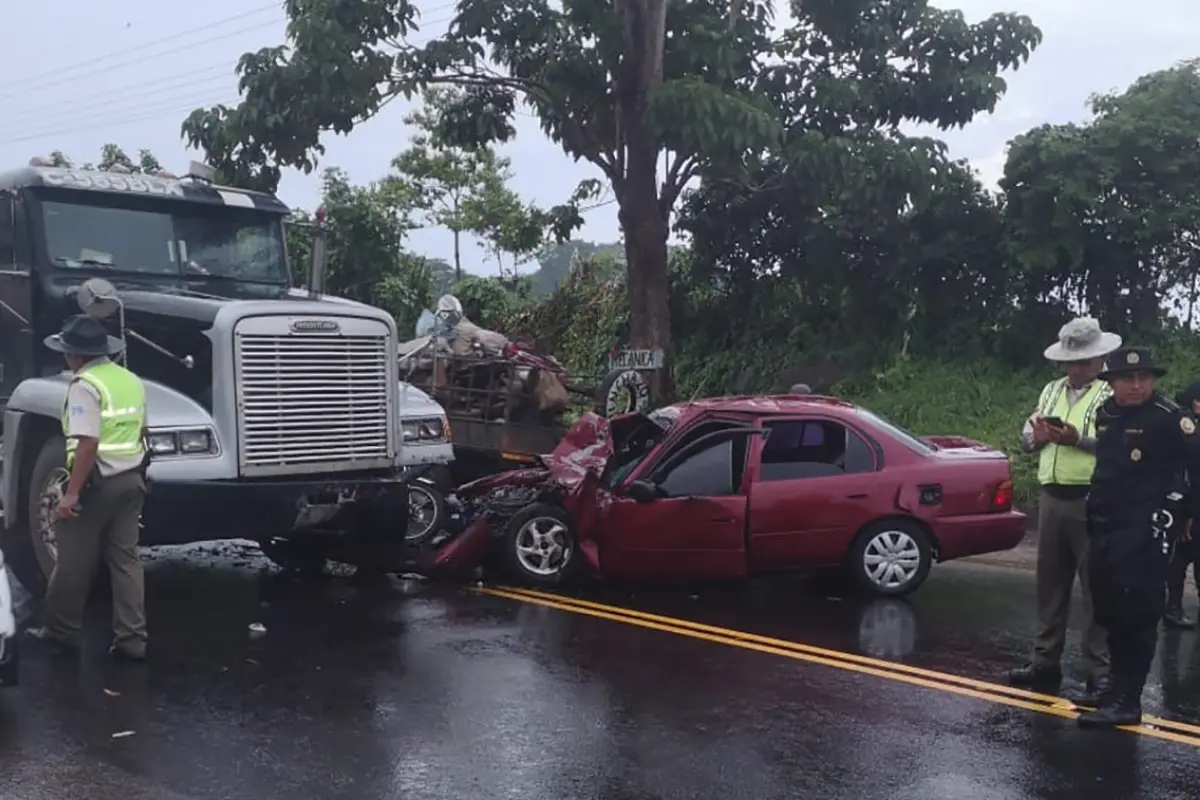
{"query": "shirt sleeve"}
[(83, 412)]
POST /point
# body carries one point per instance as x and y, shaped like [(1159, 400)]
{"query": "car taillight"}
[(1002, 498)]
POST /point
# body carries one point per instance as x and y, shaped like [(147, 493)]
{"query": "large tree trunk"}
[(643, 221), (647, 280)]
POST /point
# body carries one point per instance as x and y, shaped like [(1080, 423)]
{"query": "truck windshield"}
[(190, 240)]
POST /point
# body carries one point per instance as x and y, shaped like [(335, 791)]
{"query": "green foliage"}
[(112, 155), (1105, 216), (365, 260)]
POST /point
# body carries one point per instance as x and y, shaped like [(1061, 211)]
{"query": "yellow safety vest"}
[(1070, 466), (122, 411)]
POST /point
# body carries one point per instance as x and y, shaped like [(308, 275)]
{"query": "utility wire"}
[(35, 82), (91, 62), (113, 122)]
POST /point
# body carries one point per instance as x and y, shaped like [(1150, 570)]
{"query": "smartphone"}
[(1053, 422)]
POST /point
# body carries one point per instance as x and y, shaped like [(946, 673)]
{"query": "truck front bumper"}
[(182, 512)]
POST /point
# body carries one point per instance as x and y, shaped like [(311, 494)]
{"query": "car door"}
[(695, 526), (813, 483)]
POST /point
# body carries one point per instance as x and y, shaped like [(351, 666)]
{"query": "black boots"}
[(1036, 675), (1116, 709)]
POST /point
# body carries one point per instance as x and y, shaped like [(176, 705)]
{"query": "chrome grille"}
[(312, 401)]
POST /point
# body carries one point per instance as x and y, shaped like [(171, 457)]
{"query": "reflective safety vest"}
[(1059, 464), (122, 411)]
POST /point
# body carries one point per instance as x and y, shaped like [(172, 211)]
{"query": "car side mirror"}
[(644, 491)]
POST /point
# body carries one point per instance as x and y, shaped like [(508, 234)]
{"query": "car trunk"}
[(977, 478)]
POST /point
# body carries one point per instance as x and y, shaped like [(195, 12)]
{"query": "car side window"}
[(797, 449), (709, 472)]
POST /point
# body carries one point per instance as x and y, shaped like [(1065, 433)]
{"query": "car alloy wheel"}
[(543, 546), (891, 559)]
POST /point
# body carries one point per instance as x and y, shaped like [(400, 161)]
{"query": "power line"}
[(24, 86), (132, 88), (92, 61), (103, 124), (72, 114), (148, 57), (70, 109)]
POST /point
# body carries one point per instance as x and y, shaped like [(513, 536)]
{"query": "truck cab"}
[(272, 416)]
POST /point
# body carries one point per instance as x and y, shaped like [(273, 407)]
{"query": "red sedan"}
[(732, 487)]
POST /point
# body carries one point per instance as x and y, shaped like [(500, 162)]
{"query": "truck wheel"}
[(426, 510), (890, 557), (47, 484), (539, 547)]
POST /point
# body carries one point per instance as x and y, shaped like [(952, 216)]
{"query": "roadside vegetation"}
[(820, 240)]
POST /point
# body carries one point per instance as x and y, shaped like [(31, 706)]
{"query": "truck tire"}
[(622, 391), (539, 549), (45, 486)]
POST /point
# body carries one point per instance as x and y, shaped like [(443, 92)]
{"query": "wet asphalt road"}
[(405, 690)]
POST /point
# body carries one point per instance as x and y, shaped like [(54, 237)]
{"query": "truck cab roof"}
[(164, 186)]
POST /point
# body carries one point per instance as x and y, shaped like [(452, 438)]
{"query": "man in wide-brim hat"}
[(103, 423), (1062, 431)]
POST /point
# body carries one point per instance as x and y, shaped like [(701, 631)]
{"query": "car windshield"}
[(633, 438), (189, 239), (904, 436)]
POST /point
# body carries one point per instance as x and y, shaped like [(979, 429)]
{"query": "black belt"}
[(1064, 491)]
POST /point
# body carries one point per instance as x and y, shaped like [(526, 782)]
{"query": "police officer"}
[(1144, 442), (103, 422), (1186, 550)]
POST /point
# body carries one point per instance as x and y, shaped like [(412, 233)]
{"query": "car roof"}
[(764, 405)]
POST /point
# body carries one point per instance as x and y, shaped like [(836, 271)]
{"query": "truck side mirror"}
[(316, 272), (7, 231), (644, 491)]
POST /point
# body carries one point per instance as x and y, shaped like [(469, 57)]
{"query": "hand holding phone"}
[(1054, 422)]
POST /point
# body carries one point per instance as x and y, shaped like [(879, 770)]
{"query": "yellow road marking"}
[(1168, 730)]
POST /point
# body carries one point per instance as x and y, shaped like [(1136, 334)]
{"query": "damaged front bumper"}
[(478, 520), (182, 512)]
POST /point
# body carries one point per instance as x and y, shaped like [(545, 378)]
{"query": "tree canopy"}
[(703, 89)]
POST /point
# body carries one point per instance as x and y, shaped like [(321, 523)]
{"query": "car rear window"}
[(902, 435)]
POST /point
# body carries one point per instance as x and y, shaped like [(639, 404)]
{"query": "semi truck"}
[(273, 414)]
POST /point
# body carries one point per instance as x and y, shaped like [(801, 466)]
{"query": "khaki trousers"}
[(1062, 555), (108, 524)]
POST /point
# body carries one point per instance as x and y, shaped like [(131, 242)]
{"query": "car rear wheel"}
[(539, 547), (891, 558)]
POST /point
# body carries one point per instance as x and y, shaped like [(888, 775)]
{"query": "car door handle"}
[(857, 496), (724, 519)]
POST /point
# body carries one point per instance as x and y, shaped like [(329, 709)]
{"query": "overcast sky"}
[(127, 71)]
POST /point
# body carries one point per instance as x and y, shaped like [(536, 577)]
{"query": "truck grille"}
[(312, 400)]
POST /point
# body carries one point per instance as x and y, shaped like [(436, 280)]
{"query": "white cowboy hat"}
[(1080, 340)]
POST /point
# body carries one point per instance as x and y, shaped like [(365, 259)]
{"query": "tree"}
[(112, 155), (365, 258), (1105, 217), (623, 86), (444, 179)]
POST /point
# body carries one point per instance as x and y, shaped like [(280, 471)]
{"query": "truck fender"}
[(35, 401)]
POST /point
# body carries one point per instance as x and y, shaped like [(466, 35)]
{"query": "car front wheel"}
[(891, 558), (539, 547)]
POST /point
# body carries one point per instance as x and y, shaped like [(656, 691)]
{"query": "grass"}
[(986, 402)]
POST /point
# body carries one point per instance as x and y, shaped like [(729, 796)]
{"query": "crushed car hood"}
[(584, 450)]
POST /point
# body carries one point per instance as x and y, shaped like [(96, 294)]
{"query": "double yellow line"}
[(1155, 727)]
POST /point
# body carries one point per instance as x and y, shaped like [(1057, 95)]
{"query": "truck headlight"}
[(189, 442), (424, 431)]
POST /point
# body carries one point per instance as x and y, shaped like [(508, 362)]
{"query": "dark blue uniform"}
[(1140, 453)]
